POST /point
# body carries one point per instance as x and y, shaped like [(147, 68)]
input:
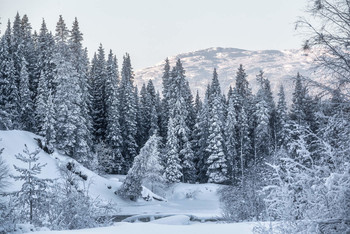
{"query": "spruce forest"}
[(284, 166)]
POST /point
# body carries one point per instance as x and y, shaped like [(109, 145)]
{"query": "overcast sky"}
[(151, 30)]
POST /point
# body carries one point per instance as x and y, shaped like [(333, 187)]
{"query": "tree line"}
[(94, 113)]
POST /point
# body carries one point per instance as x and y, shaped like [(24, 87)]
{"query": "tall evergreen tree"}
[(80, 63), (201, 134), (9, 78), (217, 162), (128, 112), (113, 131), (297, 112), (166, 79), (281, 119), (45, 65), (49, 124), (244, 145), (172, 170), (25, 101), (231, 136), (67, 100), (98, 76), (179, 112)]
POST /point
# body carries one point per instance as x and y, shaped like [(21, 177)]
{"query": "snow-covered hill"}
[(191, 199), (13, 143), (279, 67)]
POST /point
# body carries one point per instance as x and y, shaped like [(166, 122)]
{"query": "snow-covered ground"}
[(169, 228), (182, 200)]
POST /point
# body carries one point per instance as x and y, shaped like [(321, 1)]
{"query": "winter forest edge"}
[(277, 161)]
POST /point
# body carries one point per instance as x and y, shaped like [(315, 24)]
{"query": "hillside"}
[(192, 199), (279, 67)]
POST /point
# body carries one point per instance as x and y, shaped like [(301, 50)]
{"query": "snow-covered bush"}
[(4, 173), (7, 214), (241, 203), (70, 206), (312, 195)]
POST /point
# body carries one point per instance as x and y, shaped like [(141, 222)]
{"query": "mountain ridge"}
[(280, 66)]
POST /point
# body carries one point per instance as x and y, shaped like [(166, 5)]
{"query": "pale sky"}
[(151, 30)]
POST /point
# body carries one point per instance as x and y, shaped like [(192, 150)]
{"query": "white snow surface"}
[(173, 220), (200, 200), (152, 228)]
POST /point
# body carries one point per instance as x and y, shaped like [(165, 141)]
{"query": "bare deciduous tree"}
[(327, 30)]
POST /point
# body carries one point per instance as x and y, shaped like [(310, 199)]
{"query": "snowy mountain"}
[(279, 66)]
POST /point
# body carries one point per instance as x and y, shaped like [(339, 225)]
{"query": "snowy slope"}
[(279, 67), (13, 143), (192, 199)]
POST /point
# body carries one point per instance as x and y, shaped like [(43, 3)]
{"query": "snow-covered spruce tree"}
[(262, 131), (201, 134), (152, 104), (217, 162), (244, 121), (154, 127), (172, 170), (67, 100), (25, 101), (191, 115), (17, 47), (114, 161), (5, 118), (128, 113), (41, 104), (143, 116), (49, 125), (179, 112), (196, 133), (231, 197), (146, 170), (98, 86), (30, 56), (45, 65), (21, 51), (231, 136), (159, 111), (244, 143), (33, 197), (132, 185), (9, 89), (281, 120), (165, 101), (153, 177), (80, 63)]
